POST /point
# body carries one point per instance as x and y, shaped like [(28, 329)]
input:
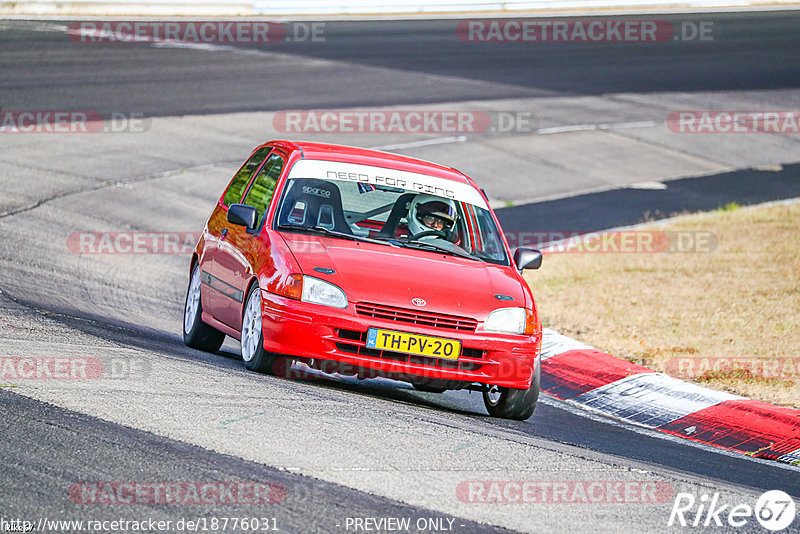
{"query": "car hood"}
[(393, 276)]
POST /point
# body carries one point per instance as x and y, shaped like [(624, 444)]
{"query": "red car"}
[(369, 264)]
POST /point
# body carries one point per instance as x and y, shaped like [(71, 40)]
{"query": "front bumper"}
[(307, 331)]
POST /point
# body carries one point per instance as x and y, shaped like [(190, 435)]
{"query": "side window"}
[(236, 188), (260, 193)]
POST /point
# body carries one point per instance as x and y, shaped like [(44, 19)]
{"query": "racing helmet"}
[(427, 209)]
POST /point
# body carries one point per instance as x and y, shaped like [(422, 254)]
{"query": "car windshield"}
[(397, 208)]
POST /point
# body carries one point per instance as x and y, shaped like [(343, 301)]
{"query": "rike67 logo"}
[(774, 510)]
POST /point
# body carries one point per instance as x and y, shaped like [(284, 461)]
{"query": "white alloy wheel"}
[(192, 302), (251, 326), (493, 394)]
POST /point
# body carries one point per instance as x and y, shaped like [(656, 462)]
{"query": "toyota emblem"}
[(418, 302)]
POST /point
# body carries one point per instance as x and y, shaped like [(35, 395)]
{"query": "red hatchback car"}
[(370, 264)]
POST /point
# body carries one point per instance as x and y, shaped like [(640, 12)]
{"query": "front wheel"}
[(510, 403), (196, 333), (253, 354)]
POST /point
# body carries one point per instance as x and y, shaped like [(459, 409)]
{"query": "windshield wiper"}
[(316, 230), (488, 258), (321, 230), (426, 245)]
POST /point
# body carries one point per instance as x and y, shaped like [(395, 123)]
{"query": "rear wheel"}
[(509, 403), (196, 333), (253, 354)]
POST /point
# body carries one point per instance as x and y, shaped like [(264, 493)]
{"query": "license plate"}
[(435, 347)]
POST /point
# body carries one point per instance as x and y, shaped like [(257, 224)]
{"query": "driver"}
[(428, 212)]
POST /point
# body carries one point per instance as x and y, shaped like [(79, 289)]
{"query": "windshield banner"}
[(378, 176)]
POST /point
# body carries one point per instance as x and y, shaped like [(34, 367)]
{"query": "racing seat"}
[(312, 202), (399, 211)]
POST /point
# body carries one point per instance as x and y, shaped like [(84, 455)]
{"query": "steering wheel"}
[(427, 233)]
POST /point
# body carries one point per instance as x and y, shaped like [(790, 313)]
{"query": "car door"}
[(215, 295), (236, 254)]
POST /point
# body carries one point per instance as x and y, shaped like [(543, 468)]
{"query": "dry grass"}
[(741, 300)]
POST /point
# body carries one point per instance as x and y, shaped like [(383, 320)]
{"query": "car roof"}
[(377, 158)]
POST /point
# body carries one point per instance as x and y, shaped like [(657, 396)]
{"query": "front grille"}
[(436, 320), (356, 344)]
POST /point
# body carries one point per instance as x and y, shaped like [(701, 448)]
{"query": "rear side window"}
[(237, 186), (260, 193)]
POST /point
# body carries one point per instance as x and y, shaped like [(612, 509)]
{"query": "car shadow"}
[(136, 336)]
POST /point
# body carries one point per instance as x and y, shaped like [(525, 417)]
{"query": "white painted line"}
[(651, 399), (649, 186), (208, 47), (594, 127), (424, 142)]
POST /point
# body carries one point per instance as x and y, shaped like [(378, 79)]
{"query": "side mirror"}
[(527, 258), (243, 215)]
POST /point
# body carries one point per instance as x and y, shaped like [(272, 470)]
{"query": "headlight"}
[(506, 320), (321, 292)]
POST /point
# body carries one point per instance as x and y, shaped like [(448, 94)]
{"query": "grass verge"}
[(728, 318)]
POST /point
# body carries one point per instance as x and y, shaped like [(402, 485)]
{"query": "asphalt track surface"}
[(623, 207), (171, 423), (418, 62)]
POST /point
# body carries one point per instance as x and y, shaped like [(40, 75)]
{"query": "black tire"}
[(510, 403), (196, 333), (255, 357)]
